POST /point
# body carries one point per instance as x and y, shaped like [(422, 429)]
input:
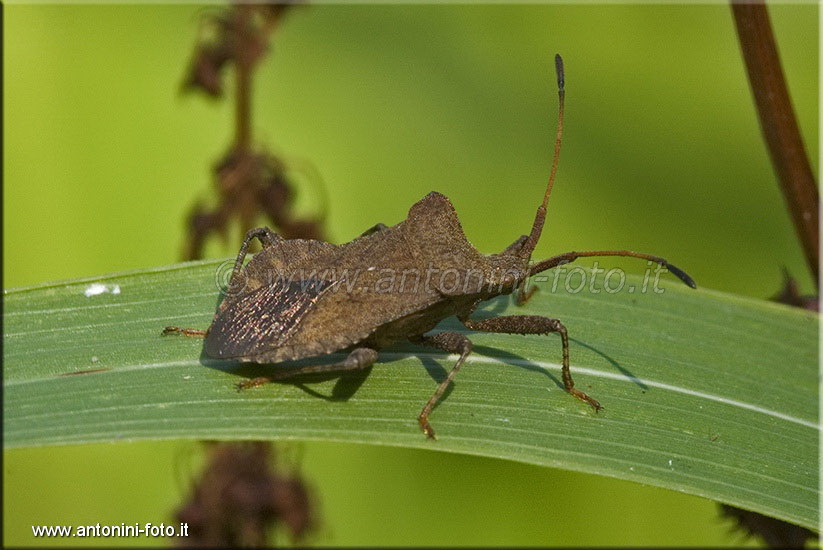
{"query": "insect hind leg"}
[(359, 358), (267, 238), (190, 332)]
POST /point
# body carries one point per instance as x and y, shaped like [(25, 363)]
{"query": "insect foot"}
[(252, 383), (426, 427), (586, 399)]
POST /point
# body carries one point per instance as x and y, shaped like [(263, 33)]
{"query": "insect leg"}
[(521, 296), (191, 332), (267, 238), (377, 227), (451, 342), (359, 358), (534, 324)]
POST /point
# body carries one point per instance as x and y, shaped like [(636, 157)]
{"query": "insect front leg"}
[(359, 358), (451, 342), (534, 324), (521, 295)]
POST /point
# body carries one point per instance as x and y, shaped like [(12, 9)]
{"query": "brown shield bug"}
[(305, 298)]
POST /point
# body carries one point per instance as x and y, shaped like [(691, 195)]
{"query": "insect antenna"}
[(540, 218), (571, 256)]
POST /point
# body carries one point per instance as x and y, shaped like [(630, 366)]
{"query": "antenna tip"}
[(682, 275), (558, 65)]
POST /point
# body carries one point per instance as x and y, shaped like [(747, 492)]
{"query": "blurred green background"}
[(662, 153)]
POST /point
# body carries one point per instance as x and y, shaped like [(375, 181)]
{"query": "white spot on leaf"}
[(99, 288)]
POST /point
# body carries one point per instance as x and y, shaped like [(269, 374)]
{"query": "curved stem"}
[(779, 125)]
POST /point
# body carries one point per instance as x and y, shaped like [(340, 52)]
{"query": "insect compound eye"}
[(514, 276)]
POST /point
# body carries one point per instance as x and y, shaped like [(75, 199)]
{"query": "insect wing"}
[(262, 319)]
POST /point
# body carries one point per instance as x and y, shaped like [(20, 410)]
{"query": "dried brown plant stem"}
[(782, 135), (244, 68), (249, 179), (779, 125)]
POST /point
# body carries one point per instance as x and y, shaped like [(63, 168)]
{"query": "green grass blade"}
[(706, 393)]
